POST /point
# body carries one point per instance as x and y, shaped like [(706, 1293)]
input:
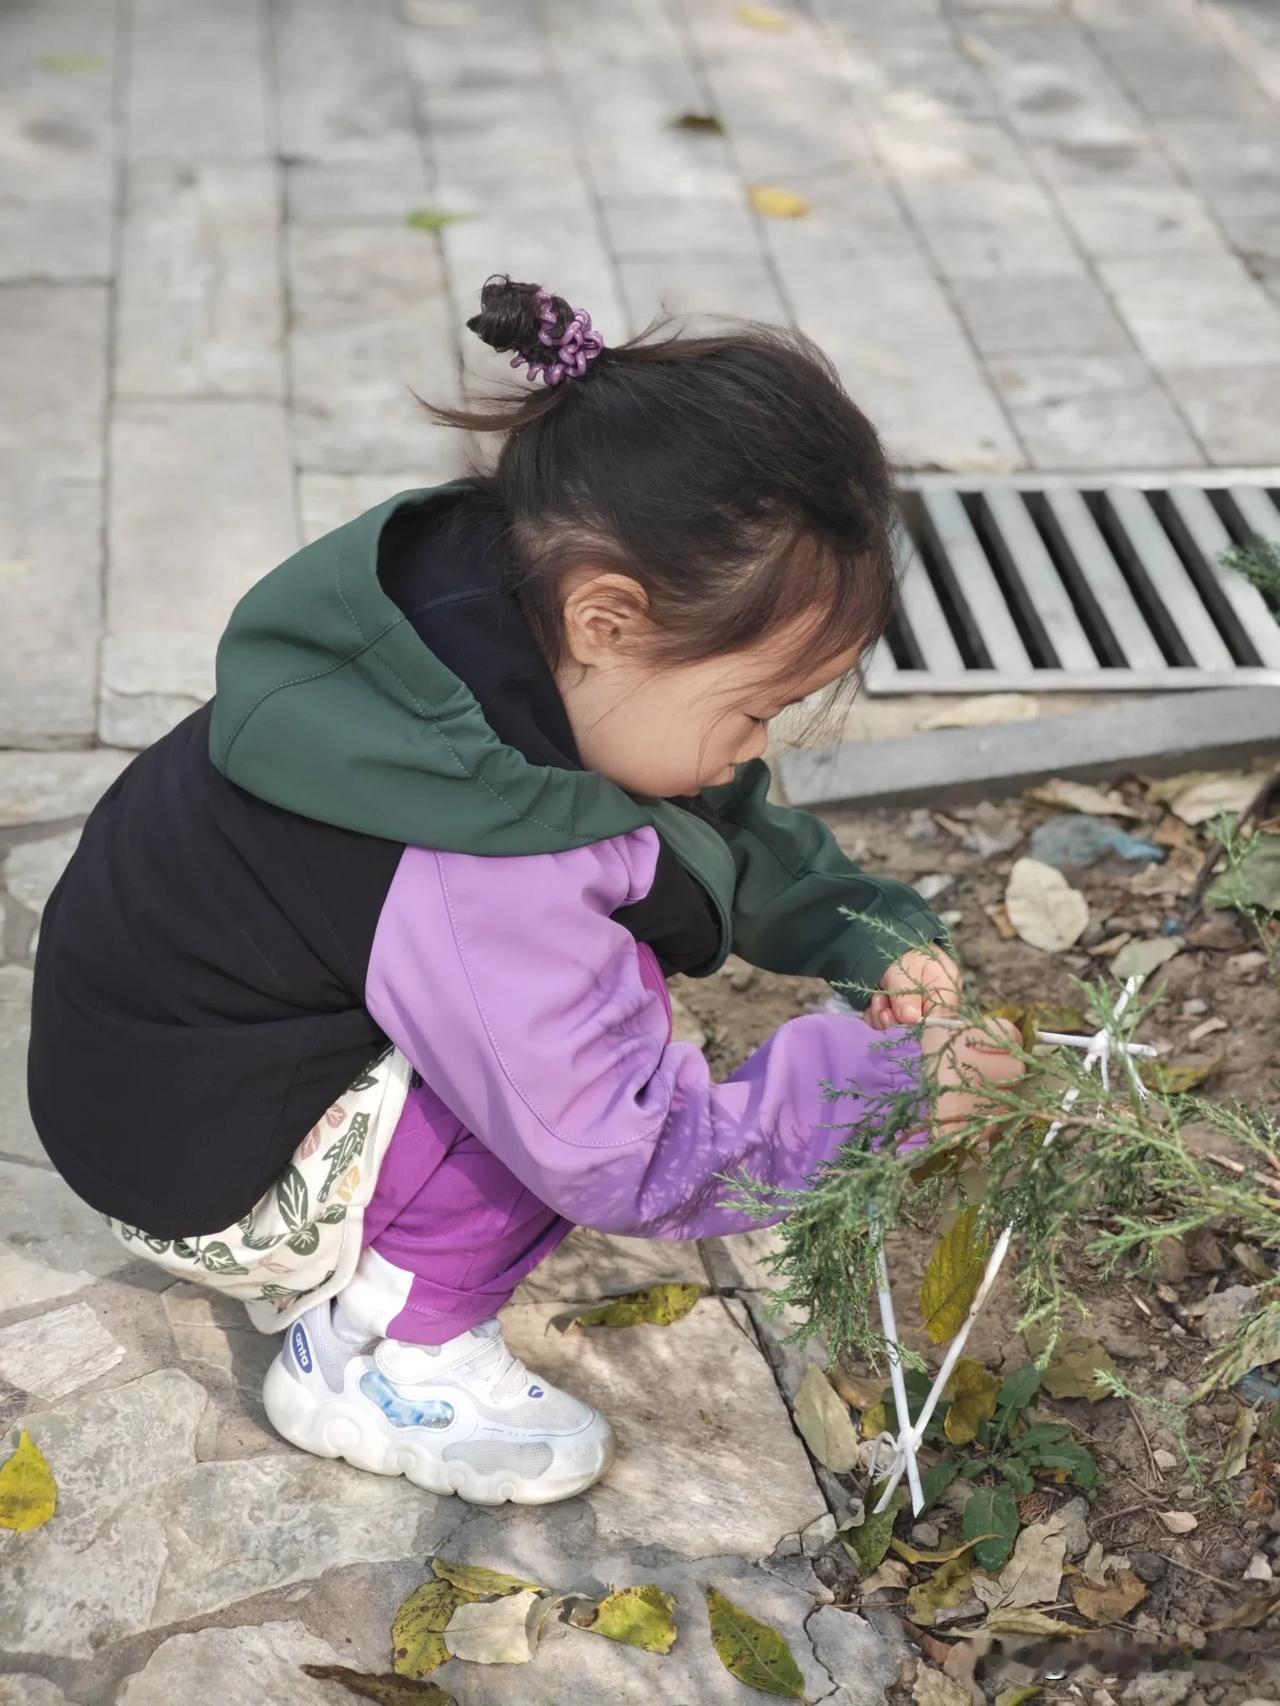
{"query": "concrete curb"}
[(1161, 734)]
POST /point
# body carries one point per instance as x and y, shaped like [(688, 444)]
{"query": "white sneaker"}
[(465, 1417)]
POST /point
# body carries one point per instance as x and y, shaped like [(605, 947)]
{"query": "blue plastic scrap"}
[(1077, 839)]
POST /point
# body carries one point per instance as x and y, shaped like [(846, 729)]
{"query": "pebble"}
[(1194, 1008), (741, 978), (1258, 1569), (921, 827), (1165, 1459), (1232, 1561), (1072, 1517), (926, 1535), (1149, 1566), (935, 884)]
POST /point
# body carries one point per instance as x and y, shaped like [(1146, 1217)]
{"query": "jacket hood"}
[(331, 704)]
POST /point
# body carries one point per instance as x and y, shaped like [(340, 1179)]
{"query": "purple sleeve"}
[(508, 985)]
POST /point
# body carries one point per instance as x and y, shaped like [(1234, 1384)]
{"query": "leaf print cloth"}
[(301, 1241)]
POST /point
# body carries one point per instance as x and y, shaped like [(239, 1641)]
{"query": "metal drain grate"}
[(1050, 585)]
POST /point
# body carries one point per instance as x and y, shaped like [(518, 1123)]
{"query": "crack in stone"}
[(835, 1685)]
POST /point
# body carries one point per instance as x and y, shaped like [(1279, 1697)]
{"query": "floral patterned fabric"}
[(300, 1242)]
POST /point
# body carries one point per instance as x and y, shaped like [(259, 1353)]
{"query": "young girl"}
[(352, 999)]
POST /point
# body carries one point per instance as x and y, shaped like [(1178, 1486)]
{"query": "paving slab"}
[(252, 1665), (53, 378), (199, 309), (16, 1134), (203, 491), (590, 1265), (197, 84), (56, 175), (1161, 734), (1029, 314), (1205, 312), (1179, 73), (44, 787), (691, 1404), (54, 1354), (329, 500), (50, 597), (52, 1245), (32, 868), (1127, 220), (1073, 411), (1232, 410), (703, 294)]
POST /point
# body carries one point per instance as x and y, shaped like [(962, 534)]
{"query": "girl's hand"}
[(965, 1066), (923, 981)]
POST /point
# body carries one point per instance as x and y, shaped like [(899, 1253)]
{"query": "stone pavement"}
[(1041, 235)]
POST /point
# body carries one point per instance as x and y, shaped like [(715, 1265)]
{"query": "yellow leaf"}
[(774, 203), (28, 1491), (752, 1651), (913, 1555), (953, 1276), (1022, 1620), (874, 1421), (657, 1306), (973, 1394), (476, 1579), (1175, 1079), (417, 1633), (640, 1617), (825, 1423), (945, 1589), (764, 18)]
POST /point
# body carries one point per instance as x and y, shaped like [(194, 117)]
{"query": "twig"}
[(1137, 1422), (1239, 1169), (1195, 1570)]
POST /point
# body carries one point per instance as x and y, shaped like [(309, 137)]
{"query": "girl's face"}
[(671, 729)]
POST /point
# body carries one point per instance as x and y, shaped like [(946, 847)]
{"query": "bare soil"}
[(1147, 1321)]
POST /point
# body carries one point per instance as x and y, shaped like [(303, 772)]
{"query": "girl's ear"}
[(604, 619)]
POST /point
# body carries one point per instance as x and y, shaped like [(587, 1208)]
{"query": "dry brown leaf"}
[(1110, 1601), (1197, 798), (863, 1391), (891, 1574), (932, 1688), (1043, 907), (1034, 1572), (1111, 947), (1140, 959), (1179, 1522), (1081, 797)]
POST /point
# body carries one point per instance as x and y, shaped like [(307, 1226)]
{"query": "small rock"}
[(1245, 964), (1258, 1569), (1174, 1391), (920, 826), (926, 1535), (1232, 1561), (1165, 1460), (1220, 1315), (1171, 1266), (1204, 1252), (788, 1547), (818, 1535), (951, 919), (33, 868), (741, 978), (1072, 1517), (1192, 1009), (1159, 1688), (1149, 1566), (957, 1496)]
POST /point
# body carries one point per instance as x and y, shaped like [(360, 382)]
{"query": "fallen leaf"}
[(417, 1632), (774, 203), (863, 1391), (947, 1587), (475, 1579), (1033, 1574), (1252, 1613), (1042, 1016), (638, 1617), (71, 64), (1252, 1262), (706, 122), (656, 1306), (875, 1420), (1075, 1365), (953, 1276), (1019, 1696), (1179, 1522), (1022, 1620), (825, 1422), (1140, 959), (1256, 880), (1198, 796), (869, 1541), (1043, 907), (1236, 1452), (493, 1631), (384, 1686), (1081, 797), (972, 1391), (763, 18), (1258, 1345), (752, 1651), (1176, 1078), (891, 1574), (1108, 1602), (28, 1491), (932, 1688), (982, 709), (433, 218), (991, 1520), (914, 1555)]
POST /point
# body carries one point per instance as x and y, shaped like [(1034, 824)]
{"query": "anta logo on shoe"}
[(535, 1392), (300, 1348)]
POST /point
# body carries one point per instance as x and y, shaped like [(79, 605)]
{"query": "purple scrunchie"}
[(575, 348)]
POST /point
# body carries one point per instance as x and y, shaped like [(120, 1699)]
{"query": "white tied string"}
[(899, 1451)]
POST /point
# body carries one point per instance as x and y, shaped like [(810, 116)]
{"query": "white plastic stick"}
[(1099, 1048), (906, 1434)]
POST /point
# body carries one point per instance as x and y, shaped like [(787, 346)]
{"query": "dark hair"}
[(730, 475)]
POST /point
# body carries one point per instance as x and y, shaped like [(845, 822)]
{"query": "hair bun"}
[(510, 316)]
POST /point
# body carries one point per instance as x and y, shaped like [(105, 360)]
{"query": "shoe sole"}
[(338, 1428)]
